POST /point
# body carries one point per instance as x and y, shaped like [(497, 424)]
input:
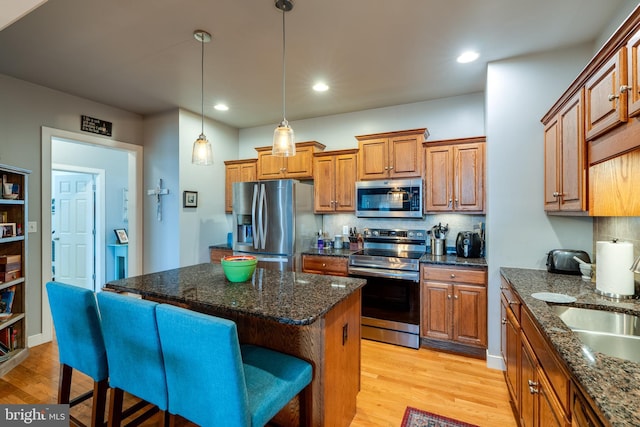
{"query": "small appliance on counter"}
[(561, 261), (438, 239), (468, 244)]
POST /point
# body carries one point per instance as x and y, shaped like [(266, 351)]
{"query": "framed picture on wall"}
[(190, 199), (121, 235)]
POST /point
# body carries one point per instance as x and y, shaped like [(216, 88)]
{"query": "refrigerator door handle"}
[(256, 231), (263, 216)]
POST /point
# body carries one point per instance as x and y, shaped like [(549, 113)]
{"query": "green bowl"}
[(238, 268)]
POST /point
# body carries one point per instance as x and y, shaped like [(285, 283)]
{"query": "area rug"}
[(416, 418)]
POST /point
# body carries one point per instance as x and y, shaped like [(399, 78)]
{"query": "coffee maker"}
[(468, 244)]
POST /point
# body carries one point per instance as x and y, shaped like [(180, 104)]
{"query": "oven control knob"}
[(375, 232), (411, 234)]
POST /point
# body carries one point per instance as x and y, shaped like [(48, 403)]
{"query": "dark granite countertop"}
[(612, 384), (452, 259), (220, 246), (286, 297), (329, 252)]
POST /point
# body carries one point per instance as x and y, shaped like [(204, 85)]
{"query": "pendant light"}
[(284, 144), (202, 153)]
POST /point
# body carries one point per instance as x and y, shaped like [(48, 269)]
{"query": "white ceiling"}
[(141, 55)]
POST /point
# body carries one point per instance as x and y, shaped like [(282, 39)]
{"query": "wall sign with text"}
[(93, 125)]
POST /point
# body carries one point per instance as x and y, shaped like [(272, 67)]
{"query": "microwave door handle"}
[(256, 231), (265, 215)]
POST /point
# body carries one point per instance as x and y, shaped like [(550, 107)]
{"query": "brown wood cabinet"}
[(299, 166), (324, 264), (537, 381), (565, 163), (454, 308), (611, 85), (455, 175), (216, 253), (613, 189), (606, 104), (237, 171), (391, 154), (334, 175)]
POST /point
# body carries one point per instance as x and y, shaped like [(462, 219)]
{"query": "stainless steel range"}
[(391, 298)]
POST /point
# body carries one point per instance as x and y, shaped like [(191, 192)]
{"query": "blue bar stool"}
[(213, 381), (80, 345), (133, 352)]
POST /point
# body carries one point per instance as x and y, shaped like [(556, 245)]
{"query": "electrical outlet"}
[(33, 227)]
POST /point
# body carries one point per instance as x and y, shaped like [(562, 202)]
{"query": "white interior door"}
[(73, 229)]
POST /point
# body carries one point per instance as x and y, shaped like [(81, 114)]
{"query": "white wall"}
[(207, 224), (455, 117), (519, 92), (24, 109)]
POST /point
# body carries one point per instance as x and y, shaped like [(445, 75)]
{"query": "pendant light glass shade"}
[(202, 153), (284, 143)]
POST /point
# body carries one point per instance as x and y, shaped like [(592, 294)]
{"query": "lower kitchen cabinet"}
[(324, 264), (216, 253), (539, 386), (454, 309)]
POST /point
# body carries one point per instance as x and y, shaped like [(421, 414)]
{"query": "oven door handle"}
[(379, 272)]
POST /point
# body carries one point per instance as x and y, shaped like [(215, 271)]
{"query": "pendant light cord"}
[(202, 84), (284, 69)]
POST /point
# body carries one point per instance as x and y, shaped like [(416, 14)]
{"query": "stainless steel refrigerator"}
[(274, 220)]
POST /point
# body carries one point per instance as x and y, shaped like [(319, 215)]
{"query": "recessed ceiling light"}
[(468, 56), (320, 87), (221, 107)]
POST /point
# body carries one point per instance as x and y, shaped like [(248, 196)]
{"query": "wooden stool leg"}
[(115, 407), (64, 384), (99, 402)]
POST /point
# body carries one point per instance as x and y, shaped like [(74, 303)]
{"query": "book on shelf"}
[(6, 300)]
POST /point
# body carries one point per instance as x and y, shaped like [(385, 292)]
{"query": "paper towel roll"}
[(613, 260)]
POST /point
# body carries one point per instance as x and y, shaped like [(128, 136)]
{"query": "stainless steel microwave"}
[(389, 198)]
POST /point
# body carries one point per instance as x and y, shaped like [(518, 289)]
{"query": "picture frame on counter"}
[(7, 229), (190, 199), (121, 236)]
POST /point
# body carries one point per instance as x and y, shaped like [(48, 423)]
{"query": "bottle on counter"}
[(320, 240)]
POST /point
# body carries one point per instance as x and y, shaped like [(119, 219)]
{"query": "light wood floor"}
[(392, 379)]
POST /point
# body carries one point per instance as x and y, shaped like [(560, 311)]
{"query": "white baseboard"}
[(495, 362), (34, 340)]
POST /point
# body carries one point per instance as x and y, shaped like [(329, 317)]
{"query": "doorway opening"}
[(116, 170)]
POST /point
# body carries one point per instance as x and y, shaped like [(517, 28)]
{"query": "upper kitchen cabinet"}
[(391, 154), (455, 175), (565, 166), (237, 171), (606, 96), (334, 176), (299, 166), (608, 168)]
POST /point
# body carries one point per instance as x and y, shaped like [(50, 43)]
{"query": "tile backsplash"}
[(332, 224)]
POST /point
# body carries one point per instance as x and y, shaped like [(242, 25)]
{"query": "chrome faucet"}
[(635, 267)]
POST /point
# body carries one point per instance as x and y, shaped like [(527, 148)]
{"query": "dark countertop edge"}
[(221, 246), (427, 258), (612, 384)]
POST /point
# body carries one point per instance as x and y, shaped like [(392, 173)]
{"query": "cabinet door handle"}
[(504, 321), (532, 387), (345, 333), (449, 296), (390, 167), (513, 302), (625, 88), (386, 168), (455, 296), (613, 96), (450, 201)]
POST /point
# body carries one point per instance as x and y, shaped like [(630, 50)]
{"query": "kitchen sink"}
[(608, 332)]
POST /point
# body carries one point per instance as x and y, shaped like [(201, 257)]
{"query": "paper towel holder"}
[(635, 267)]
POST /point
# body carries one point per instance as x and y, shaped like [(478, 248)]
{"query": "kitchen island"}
[(316, 318), (610, 385)]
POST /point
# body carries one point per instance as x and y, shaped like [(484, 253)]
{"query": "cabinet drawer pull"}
[(453, 276), (324, 265)]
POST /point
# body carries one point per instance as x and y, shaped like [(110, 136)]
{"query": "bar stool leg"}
[(115, 407), (64, 385), (99, 402)]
